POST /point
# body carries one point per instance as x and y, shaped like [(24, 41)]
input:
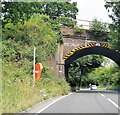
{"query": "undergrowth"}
[(19, 40), (19, 93)]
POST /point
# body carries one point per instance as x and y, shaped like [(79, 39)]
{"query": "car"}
[(93, 87)]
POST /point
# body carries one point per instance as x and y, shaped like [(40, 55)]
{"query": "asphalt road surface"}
[(85, 101)]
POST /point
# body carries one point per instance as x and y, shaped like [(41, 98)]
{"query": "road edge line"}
[(53, 102)]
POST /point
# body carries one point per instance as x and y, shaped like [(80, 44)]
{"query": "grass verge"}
[(18, 92)]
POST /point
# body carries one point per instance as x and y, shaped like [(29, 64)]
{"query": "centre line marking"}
[(113, 103), (110, 101), (103, 95)]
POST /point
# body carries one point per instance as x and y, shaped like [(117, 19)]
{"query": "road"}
[(85, 101)]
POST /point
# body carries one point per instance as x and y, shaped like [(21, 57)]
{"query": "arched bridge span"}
[(80, 52)]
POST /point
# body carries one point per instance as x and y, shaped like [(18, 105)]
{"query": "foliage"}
[(20, 11), (79, 30), (19, 40), (27, 25), (57, 9), (114, 7), (80, 67), (17, 60), (58, 12), (15, 12), (105, 77), (18, 93), (65, 21), (114, 37), (99, 30)]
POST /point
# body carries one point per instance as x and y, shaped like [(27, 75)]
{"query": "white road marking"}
[(110, 101), (53, 102), (113, 103), (103, 95)]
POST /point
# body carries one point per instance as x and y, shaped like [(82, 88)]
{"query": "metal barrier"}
[(86, 23)]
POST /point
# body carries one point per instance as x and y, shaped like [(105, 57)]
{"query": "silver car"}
[(93, 87)]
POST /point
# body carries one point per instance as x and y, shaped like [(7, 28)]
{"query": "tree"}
[(81, 67), (105, 77), (99, 30), (20, 11), (19, 39), (15, 12), (114, 7), (58, 9)]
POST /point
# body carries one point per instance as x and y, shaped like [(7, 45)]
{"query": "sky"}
[(91, 9)]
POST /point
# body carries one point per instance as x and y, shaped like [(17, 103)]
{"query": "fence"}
[(86, 23)]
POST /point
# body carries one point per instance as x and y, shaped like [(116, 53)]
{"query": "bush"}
[(79, 30), (18, 91), (65, 21), (99, 30), (106, 77)]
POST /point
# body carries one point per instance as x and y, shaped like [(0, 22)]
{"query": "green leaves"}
[(105, 77), (16, 12), (34, 32), (65, 21), (18, 43), (79, 69), (114, 34), (99, 30)]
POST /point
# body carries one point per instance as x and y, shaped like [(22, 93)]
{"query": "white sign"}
[(97, 44)]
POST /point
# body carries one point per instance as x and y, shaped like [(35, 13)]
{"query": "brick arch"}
[(105, 51)]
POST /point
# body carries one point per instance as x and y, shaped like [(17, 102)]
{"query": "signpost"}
[(34, 67), (37, 69)]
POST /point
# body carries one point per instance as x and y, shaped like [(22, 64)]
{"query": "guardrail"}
[(85, 23)]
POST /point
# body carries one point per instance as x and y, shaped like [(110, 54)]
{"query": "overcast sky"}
[(90, 9)]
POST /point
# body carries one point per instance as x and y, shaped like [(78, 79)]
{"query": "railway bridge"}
[(75, 46)]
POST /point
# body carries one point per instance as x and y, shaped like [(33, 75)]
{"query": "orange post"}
[(38, 70)]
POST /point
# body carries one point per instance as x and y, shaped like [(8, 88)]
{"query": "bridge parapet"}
[(68, 32)]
